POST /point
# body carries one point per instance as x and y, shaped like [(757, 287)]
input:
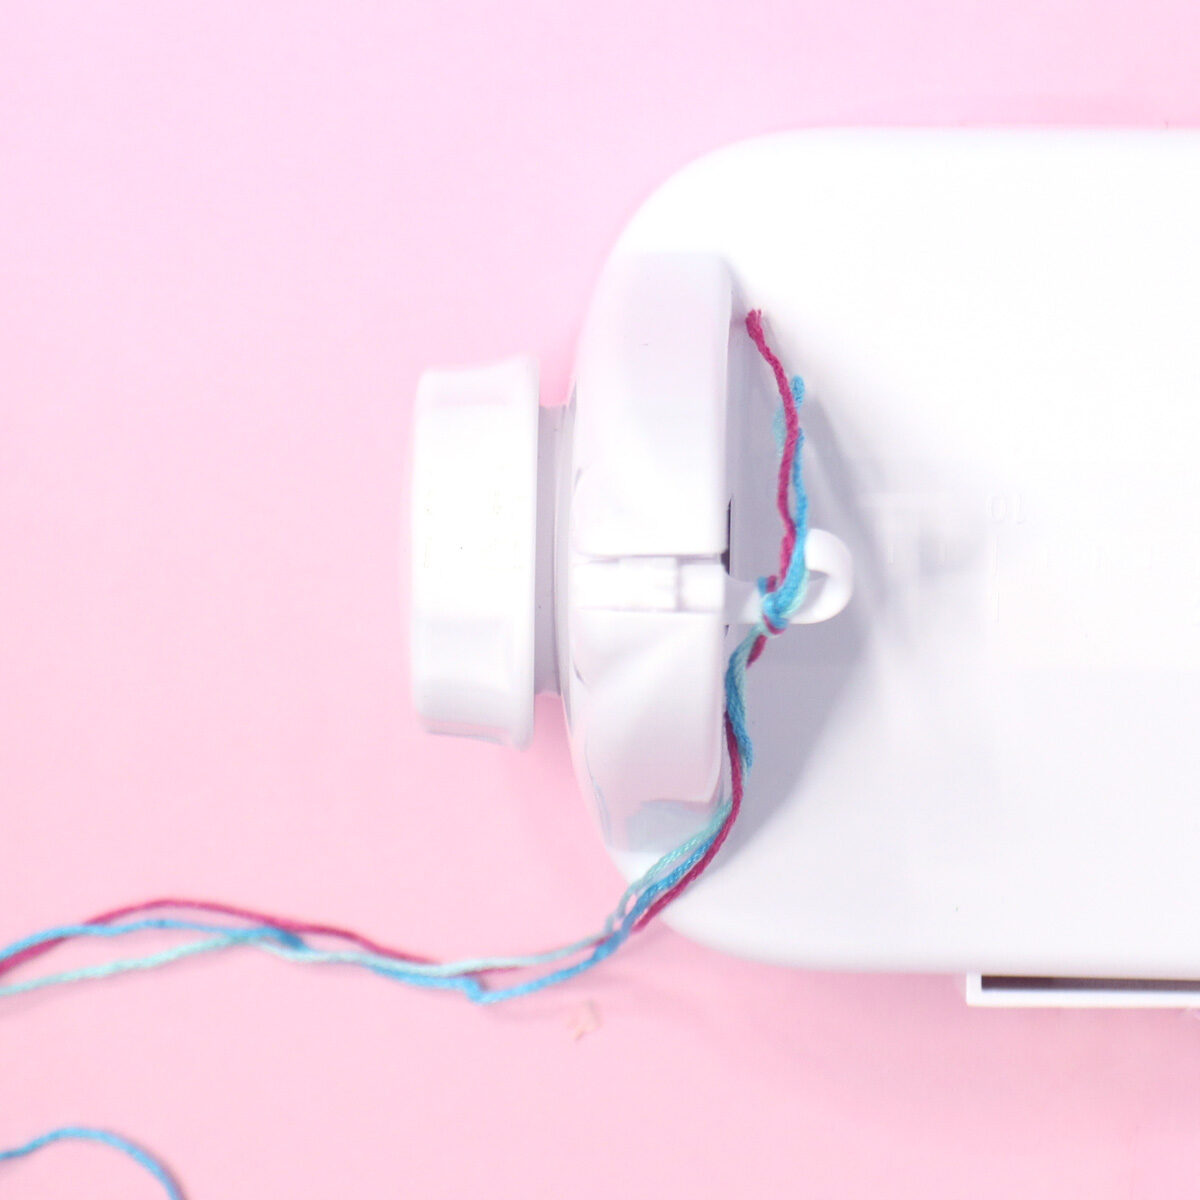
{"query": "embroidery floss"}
[(301, 941), (290, 939)]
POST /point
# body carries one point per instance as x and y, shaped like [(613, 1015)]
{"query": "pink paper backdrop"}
[(230, 236)]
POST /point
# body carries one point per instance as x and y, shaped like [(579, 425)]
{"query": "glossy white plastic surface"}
[(990, 762), (474, 513)]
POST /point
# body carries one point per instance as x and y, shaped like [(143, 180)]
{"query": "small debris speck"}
[(584, 1020)]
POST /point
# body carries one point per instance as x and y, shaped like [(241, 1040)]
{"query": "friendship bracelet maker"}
[(981, 756), (985, 765)]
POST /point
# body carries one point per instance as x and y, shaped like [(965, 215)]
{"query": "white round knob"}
[(474, 524)]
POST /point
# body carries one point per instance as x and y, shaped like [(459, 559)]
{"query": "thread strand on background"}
[(81, 1133)]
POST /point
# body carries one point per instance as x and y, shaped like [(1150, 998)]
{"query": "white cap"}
[(474, 523)]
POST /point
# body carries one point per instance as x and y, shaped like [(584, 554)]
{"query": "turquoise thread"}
[(735, 693), (80, 1133)]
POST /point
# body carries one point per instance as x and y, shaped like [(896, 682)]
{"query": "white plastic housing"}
[(988, 764)]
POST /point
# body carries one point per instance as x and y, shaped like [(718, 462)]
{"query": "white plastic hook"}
[(830, 585)]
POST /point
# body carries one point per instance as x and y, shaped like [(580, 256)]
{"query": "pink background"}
[(230, 236)]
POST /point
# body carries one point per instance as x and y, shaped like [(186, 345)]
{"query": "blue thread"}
[(120, 966), (146, 924), (80, 1133)]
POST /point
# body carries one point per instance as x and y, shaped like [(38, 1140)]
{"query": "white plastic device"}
[(989, 763)]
